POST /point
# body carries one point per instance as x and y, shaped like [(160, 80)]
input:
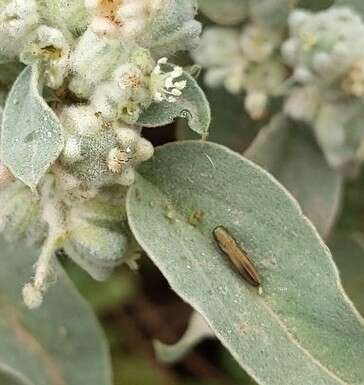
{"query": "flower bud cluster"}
[(315, 63), (163, 26), (243, 61), (325, 51), (102, 67), (98, 153)]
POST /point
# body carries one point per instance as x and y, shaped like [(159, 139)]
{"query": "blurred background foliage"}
[(135, 307)]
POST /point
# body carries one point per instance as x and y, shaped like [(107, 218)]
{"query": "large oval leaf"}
[(59, 344), (31, 137), (289, 152), (299, 330), (191, 105)]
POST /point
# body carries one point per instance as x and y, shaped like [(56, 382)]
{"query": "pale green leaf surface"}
[(357, 5), (191, 105), (8, 376), (31, 137), (288, 152), (59, 344), (274, 13), (227, 12), (196, 332), (271, 13), (315, 5), (299, 330)]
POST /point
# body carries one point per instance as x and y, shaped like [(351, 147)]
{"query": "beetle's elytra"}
[(237, 255)]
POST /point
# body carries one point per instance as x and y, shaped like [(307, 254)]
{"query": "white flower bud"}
[(127, 178), (132, 16), (127, 136), (258, 44), (302, 75), (289, 50), (338, 129), (256, 104), (235, 79), (214, 77), (322, 62), (218, 47), (50, 46), (118, 158), (82, 120), (92, 5), (18, 18), (296, 19), (108, 98), (32, 296), (93, 58), (144, 150), (131, 9), (143, 59), (129, 77), (303, 104), (72, 150)]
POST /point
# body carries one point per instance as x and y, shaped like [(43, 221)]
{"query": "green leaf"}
[(228, 12), (197, 331), (230, 125), (357, 5), (9, 376), (289, 152), (59, 344), (314, 5), (191, 105), (32, 136), (274, 13), (298, 332), (271, 13)]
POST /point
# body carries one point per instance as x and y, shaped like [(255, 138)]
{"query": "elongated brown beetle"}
[(237, 255)]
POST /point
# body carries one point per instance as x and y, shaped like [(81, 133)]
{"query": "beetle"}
[(237, 255)]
